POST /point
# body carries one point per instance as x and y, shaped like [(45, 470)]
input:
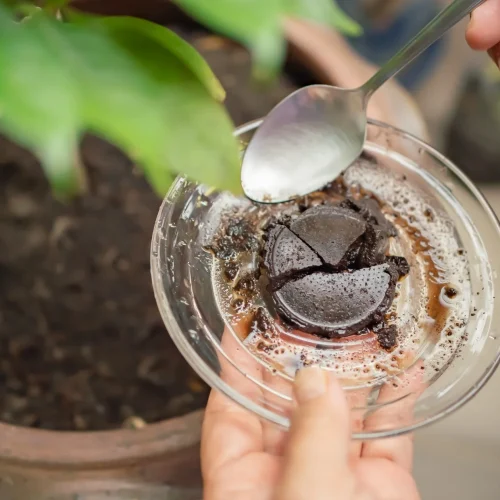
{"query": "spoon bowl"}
[(312, 131)]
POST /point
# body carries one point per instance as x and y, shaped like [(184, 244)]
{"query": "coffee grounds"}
[(333, 232), (289, 257), (329, 272), (337, 304)]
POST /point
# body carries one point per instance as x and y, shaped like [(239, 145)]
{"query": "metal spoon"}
[(314, 134)]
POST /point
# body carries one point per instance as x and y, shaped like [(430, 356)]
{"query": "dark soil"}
[(82, 344)]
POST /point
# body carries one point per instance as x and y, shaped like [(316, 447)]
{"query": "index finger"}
[(396, 404)]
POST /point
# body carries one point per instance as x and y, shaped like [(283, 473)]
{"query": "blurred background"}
[(104, 278)]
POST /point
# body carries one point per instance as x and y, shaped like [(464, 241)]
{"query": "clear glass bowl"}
[(438, 380)]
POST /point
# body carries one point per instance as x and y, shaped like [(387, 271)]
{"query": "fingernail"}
[(310, 383)]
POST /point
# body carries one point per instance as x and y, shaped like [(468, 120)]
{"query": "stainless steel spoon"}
[(314, 134)]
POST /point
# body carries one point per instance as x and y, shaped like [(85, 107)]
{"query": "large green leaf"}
[(115, 99), (258, 24), (117, 79), (165, 40), (203, 146)]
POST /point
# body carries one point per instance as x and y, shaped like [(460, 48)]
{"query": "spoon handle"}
[(445, 20)]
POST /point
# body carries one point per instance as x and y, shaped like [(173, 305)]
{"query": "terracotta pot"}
[(147, 462)]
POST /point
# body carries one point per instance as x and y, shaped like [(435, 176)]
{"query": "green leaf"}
[(117, 100), (254, 23), (203, 146), (167, 41), (258, 24), (38, 105), (121, 82)]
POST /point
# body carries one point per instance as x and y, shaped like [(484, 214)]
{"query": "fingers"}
[(316, 458), (275, 437), (396, 402), (398, 450), (357, 400), (229, 431), (385, 480), (483, 31)]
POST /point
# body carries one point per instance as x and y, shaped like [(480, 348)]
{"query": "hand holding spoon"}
[(314, 134)]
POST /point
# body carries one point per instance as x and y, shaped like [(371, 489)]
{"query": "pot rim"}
[(103, 449)]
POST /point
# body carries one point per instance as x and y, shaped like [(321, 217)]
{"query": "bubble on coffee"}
[(426, 318)]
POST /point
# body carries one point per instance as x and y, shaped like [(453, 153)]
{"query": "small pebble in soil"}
[(134, 423)]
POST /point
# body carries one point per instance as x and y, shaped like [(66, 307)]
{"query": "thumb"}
[(316, 458)]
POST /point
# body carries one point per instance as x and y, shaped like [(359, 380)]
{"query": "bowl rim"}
[(217, 383)]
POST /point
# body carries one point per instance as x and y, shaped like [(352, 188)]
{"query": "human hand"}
[(316, 460), (483, 32)]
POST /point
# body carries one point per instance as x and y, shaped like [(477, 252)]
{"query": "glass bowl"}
[(444, 372)]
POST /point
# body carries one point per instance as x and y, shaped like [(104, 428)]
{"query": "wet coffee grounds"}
[(329, 272)]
